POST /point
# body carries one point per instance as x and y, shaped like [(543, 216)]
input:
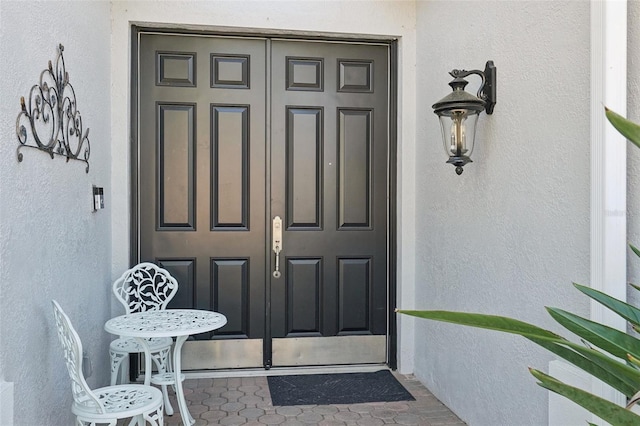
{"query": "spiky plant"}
[(611, 355)]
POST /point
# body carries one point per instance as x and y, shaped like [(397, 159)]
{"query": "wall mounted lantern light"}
[(458, 113)]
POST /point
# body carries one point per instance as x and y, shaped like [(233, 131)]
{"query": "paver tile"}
[(383, 414), (361, 408), (197, 396), (232, 407), (213, 415), (233, 420), (370, 421), (288, 411), (325, 409), (407, 419), (310, 418), (251, 400), (249, 389), (292, 422), (251, 413), (397, 406), (272, 419), (345, 416)]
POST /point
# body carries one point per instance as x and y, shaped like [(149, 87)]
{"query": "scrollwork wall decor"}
[(49, 119)]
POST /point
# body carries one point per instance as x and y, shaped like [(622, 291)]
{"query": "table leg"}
[(187, 420), (147, 360)]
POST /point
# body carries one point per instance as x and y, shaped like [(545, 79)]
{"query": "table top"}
[(165, 323)]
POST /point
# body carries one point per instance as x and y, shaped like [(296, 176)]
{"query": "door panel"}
[(225, 123), (202, 180), (329, 181)]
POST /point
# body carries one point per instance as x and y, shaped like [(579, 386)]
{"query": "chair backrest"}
[(145, 287), (72, 347)]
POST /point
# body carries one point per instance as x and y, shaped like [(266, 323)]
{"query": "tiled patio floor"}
[(246, 401)]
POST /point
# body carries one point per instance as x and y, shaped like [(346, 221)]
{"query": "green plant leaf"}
[(611, 371), (606, 410), (626, 311), (624, 372), (627, 128), (490, 322), (608, 339), (635, 249), (616, 374)]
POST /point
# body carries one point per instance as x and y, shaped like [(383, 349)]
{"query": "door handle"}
[(276, 232)]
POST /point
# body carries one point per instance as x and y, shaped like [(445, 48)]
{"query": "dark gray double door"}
[(236, 133)]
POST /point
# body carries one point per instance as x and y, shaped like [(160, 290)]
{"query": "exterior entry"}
[(262, 185)]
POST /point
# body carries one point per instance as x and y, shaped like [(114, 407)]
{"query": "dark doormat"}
[(329, 389)]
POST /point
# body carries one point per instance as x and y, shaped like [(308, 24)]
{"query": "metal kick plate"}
[(222, 354), (301, 351), (338, 349)]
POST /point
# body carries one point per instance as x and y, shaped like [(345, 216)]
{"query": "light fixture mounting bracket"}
[(487, 91)]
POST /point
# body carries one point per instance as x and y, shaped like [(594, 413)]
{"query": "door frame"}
[(392, 43)]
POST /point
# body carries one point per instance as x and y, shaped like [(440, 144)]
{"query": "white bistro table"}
[(178, 323)]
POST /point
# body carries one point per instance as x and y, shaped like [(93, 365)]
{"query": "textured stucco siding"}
[(511, 233), (633, 153), (51, 245), (507, 237)]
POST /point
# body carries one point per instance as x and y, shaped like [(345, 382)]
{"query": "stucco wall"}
[(506, 237), (52, 246), (633, 153), (382, 18), (511, 233)]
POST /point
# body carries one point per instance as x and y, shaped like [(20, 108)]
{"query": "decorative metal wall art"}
[(49, 119)]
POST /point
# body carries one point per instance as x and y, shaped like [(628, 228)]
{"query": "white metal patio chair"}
[(108, 404), (145, 287)]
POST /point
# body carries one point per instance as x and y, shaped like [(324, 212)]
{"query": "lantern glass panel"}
[(459, 132)]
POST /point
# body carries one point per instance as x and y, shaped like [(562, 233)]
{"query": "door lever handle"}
[(277, 244)]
